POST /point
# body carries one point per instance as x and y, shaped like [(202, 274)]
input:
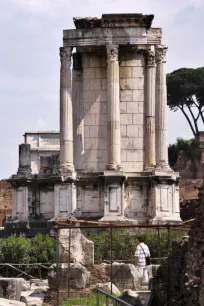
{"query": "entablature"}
[(103, 36)]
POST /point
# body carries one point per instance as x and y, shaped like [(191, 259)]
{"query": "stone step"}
[(6, 302)]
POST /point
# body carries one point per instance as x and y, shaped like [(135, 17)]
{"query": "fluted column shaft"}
[(150, 111), (113, 90), (66, 121), (161, 109)]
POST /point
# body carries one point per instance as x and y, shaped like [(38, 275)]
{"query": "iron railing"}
[(110, 299)]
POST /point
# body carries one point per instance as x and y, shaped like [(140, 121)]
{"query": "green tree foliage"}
[(124, 243), (185, 91), (181, 144)]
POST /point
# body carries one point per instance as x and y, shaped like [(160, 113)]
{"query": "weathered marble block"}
[(81, 248), (10, 288)]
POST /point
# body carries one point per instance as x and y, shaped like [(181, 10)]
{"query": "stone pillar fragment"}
[(150, 111), (113, 90), (20, 203), (24, 159), (66, 121), (161, 109)]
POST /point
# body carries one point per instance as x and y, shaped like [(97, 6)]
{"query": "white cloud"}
[(197, 3), (95, 7), (37, 6)]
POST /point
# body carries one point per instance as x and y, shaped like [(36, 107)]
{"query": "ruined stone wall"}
[(94, 157), (178, 293), (5, 195), (195, 261), (132, 110), (186, 264), (42, 144), (189, 190), (5, 200)]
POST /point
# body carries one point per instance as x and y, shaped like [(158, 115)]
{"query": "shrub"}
[(43, 249), (124, 243), (22, 251), (15, 249), (19, 249)]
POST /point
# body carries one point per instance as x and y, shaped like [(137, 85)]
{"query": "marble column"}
[(150, 111), (161, 109), (78, 118), (113, 91), (66, 120)]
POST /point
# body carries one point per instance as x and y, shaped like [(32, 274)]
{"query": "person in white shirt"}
[(141, 252)]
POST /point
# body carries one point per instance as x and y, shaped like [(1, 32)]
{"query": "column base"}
[(163, 168), (113, 167), (165, 220), (114, 219), (24, 173), (149, 169), (67, 172), (66, 167), (164, 207)]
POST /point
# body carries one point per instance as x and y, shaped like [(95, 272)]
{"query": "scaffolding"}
[(69, 223)]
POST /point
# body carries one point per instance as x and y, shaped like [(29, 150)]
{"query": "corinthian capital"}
[(150, 58), (65, 55), (161, 53), (112, 52)]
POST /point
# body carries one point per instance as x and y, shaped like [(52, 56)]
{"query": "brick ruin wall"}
[(189, 189), (5, 200)]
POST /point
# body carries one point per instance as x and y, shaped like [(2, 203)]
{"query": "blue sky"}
[(30, 37)]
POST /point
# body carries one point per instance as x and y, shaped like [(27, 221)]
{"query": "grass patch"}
[(89, 300)]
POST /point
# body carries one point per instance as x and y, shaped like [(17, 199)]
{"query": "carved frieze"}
[(126, 20)]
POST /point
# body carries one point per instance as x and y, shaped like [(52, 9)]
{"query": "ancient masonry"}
[(113, 161)]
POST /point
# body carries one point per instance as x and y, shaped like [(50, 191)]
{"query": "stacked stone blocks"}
[(95, 111), (132, 110)]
